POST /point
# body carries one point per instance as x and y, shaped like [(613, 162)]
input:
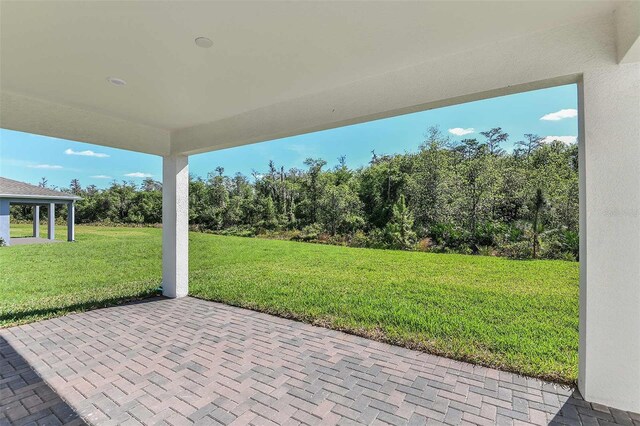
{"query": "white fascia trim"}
[(40, 197)]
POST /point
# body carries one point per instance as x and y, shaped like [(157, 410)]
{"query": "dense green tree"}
[(381, 185), (340, 209), (400, 228), (431, 183), (537, 206), (529, 144), (494, 138), (313, 186), (469, 196), (75, 187)]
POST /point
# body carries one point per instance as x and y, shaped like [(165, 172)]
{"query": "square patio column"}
[(4, 221), (51, 224), (71, 219), (609, 138), (175, 226), (36, 221)]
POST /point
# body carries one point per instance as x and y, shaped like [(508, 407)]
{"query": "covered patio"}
[(15, 192), (180, 78), (191, 361)]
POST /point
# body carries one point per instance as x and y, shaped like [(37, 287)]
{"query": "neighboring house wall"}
[(4, 221)]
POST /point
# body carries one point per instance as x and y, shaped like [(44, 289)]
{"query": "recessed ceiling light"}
[(116, 81), (203, 42)]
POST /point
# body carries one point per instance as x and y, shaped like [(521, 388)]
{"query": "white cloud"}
[(101, 177), (45, 166), (459, 131), (87, 153), (559, 115), (138, 175), (298, 148), (564, 139)]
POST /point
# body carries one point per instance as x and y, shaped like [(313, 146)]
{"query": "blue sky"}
[(549, 112)]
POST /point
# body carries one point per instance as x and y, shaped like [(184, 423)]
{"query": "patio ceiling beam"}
[(552, 58), (627, 17), (26, 114)]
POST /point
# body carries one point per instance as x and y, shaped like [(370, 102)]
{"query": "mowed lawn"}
[(520, 316)]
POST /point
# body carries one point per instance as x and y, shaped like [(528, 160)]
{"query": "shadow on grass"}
[(9, 319), (26, 398)]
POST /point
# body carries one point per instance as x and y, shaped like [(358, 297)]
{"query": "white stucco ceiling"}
[(264, 52), (282, 68)]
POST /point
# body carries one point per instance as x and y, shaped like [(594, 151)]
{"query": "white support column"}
[(4, 221), (51, 224), (71, 218), (175, 226), (36, 221), (609, 358)]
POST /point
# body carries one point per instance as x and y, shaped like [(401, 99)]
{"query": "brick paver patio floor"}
[(191, 361)]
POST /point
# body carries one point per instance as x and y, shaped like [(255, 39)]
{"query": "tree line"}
[(469, 196)]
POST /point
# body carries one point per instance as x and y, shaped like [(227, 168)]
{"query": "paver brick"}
[(188, 361)]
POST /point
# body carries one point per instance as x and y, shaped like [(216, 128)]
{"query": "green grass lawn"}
[(520, 316), (104, 266)]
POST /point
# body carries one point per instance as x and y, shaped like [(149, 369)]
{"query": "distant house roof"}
[(14, 189)]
